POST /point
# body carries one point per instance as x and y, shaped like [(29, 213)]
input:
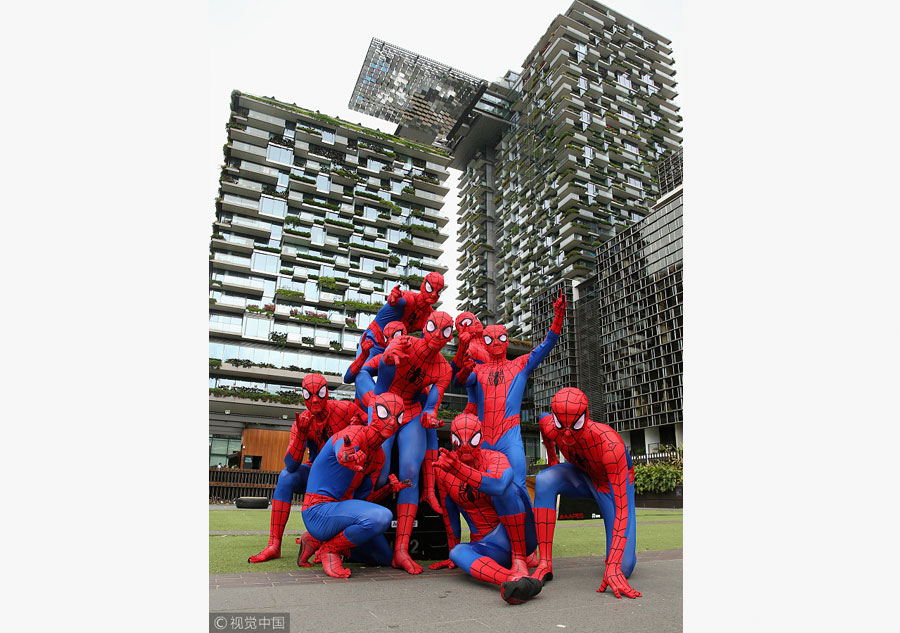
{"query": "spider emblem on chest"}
[(415, 375), (497, 377)]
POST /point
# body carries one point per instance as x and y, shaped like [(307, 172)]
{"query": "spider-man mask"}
[(496, 340), (465, 435), (386, 414), (432, 287), (394, 329), (437, 330), (569, 408), (315, 393), (468, 322)]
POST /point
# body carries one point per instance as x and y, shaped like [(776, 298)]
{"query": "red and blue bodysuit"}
[(411, 308), (409, 366), (496, 388), (322, 419), (479, 485), (336, 514), (599, 467)]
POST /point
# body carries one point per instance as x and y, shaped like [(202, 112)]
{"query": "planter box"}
[(674, 499)]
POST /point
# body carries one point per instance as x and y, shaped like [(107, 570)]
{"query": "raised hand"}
[(443, 564), (559, 308), (351, 457), (430, 421), (302, 420), (447, 460), (396, 484), (366, 344), (395, 296), (615, 580), (397, 351)]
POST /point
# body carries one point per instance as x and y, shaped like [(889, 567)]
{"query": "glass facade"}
[(637, 295)]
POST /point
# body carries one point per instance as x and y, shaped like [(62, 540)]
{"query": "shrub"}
[(657, 477)]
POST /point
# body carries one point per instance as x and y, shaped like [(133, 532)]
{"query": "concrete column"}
[(679, 432), (651, 436)]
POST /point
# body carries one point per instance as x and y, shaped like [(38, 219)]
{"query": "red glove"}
[(395, 296), (302, 420), (448, 460), (463, 374), (444, 564), (559, 307), (615, 580), (396, 484), (430, 421), (351, 457), (397, 351)]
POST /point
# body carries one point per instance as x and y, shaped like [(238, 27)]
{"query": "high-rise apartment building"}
[(317, 219), (560, 157)]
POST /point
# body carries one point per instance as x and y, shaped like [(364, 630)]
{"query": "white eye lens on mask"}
[(306, 394), (476, 439), (400, 419), (487, 340), (579, 422), (428, 287), (382, 411), (396, 334), (448, 331), (466, 322), (556, 421), (323, 392), (430, 327), (503, 338), (454, 440)]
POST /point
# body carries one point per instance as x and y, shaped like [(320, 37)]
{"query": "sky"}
[(311, 54)]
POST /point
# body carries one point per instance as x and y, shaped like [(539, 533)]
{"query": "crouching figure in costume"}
[(479, 485), (335, 513), (392, 330), (409, 366), (322, 419), (599, 468)]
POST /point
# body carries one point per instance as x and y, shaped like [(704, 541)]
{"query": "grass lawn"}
[(228, 553)]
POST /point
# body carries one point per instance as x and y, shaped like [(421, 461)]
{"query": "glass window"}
[(273, 206), (278, 154), (323, 183), (328, 136)]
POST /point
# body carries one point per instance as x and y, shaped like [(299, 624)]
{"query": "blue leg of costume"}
[(291, 482), (494, 545), (510, 444), (570, 481), (360, 521), (411, 442)]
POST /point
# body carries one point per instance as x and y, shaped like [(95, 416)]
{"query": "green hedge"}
[(658, 477)]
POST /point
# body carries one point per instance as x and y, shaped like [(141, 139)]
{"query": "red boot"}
[(545, 522), (330, 554), (515, 529), (281, 510), (308, 547), (406, 515)]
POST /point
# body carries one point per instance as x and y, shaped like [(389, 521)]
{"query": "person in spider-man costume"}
[(392, 330), (322, 419), (411, 308), (496, 388), (470, 332), (337, 517), (479, 484), (409, 366), (599, 467)]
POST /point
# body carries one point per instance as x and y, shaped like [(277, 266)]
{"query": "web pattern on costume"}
[(337, 416), (599, 452)]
